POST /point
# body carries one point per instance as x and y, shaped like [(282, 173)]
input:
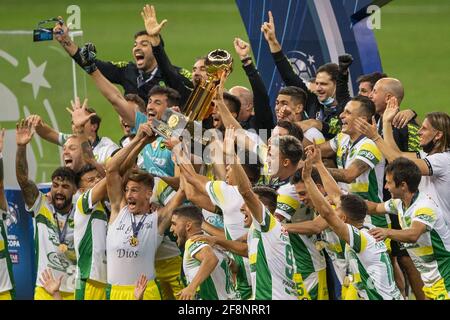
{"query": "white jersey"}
[(103, 149), (6, 274), (437, 183), (368, 185), (289, 205), (271, 260), (335, 249), (218, 285), (370, 266), (313, 134), (90, 238), (431, 252), (162, 193), (48, 253), (125, 263), (230, 201)]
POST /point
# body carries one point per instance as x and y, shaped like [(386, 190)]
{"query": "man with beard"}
[(135, 77), (206, 268), (54, 221)]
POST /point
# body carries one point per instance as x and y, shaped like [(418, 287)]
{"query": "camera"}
[(42, 33)]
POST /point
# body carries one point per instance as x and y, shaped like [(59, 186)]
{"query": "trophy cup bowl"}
[(198, 106)]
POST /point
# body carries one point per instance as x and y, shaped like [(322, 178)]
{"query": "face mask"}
[(429, 146), (328, 102)]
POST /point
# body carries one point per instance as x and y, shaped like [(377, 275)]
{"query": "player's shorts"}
[(90, 290), (168, 273), (41, 294), (316, 285), (437, 291), (7, 295), (116, 292)]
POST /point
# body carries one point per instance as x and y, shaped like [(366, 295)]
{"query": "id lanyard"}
[(134, 240)]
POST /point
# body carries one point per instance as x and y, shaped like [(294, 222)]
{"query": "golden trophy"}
[(198, 106)]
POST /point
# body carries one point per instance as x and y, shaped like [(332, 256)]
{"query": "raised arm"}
[(44, 130), (290, 78), (114, 169), (165, 213), (387, 145), (331, 187), (123, 107), (240, 177), (322, 205), (261, 99), (24, 133)]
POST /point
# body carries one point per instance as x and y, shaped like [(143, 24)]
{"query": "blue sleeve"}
[(140, 119)]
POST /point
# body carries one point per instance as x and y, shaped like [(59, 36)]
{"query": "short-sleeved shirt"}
[(313, 134), (125, 262), (218, 285), (431, 252), (370, 266), (437, 183), (157, 157), (230, 201), (47, 241), (369, 185), (272, 262), (6, 273), (90, 238)]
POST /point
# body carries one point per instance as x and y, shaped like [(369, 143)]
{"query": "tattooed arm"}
[(349, 175), (29, 189)]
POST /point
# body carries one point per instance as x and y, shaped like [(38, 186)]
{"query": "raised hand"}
[(50, 284), (35, 120), (61, 32), (141, 285), (24, 132), (307, 166), (152, 26), (402, 118), (242, 48), (314, 151), (144, 131), (228, 144), (391, 110), (268, 29), (367, 129), (79, 113), (2, 138)]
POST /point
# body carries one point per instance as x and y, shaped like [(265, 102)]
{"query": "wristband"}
[(246, 60)]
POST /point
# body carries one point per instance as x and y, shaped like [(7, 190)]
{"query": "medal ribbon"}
[(139, 225), (62, 234)]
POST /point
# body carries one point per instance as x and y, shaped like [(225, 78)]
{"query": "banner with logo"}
[(20, 230), (312, 33)]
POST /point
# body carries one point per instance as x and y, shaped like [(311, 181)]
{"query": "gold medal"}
[(62, 248), (320, 245), (134, 241)]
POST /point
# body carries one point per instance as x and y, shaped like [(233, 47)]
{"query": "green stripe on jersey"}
[(442, 256), (208, 290), (263, 276), (305, 265)]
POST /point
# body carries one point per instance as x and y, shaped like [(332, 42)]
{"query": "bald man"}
[(407, 139)]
